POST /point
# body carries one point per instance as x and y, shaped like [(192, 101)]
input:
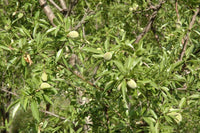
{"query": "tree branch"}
[(52, 114), (71, 6), (56, 6), (64, 7), (80, 76), (87, 13), (186, 38), (177, 14), (152, 18), (6, 2), (47, 11), (9, 92)]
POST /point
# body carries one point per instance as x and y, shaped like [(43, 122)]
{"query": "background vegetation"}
[(134, 66)]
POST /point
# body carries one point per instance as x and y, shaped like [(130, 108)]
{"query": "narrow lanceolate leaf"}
[(35, 111), (195, 96), (15, 109), (4, 47), (47, 99), (182, 102), (59, 54), (120, 66), (149, 120), (92, 50), (129, 62)]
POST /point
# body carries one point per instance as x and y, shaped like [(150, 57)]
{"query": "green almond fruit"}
[(44, 76), (131, 9), (99, 49), (135, 6), (73, 34), (132, 84), (45, 85), (107, 56)]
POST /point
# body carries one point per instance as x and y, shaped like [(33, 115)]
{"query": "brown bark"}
[(56, 6), (152, 18), (47, 11), (186, 38), (63, 5)]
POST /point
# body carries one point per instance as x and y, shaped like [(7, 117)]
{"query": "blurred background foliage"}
[(92, 94)]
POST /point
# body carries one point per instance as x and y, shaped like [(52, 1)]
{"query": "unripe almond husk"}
[(132, 84), (44, 76), (45, 85), (73, 34), (107, 56)]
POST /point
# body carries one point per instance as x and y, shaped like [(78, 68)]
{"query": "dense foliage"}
[(122, 71)]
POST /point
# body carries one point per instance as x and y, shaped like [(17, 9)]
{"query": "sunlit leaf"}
[(35, 111)]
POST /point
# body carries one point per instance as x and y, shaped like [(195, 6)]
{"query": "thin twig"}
[(47, 112), (52, 114), (186, 38), (56, 6), (80, 76), (152, 18), (47, 11), (156, 36), (183, 88), (63, 4), (177, 14), (83, 19), (6, 2), (71, 6), (12, 93)]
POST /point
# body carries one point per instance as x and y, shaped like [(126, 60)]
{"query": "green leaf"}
[(108, 86), (35, 30), (136, 61), (26, 32), (182, 102), (153, 113), (59, 55), (51, 30), (129, 63), (15, 109), (149, 120), (93, 50), (107, 43), (12, 104), (35, 111), (98, 56), (156, 129), (175, 65), (189, 51), (120, 66), (5, 48), (176, 116), (54, 90), (195, 96), (47, 99)]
